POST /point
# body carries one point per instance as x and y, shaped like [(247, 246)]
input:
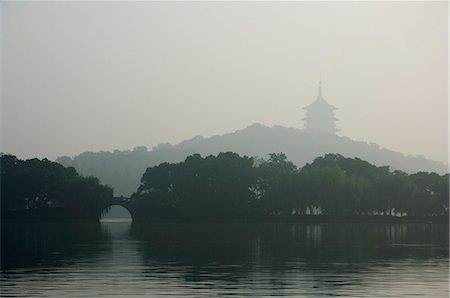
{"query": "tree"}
[(210, 188), (41, 190)]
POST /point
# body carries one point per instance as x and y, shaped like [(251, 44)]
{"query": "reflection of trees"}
[(228, 253), (30, 245), (271, 258)]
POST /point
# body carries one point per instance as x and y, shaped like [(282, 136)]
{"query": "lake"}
[(121, 259)]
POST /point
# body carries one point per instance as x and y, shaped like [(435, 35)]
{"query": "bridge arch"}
[(122, 202), (116, 212)]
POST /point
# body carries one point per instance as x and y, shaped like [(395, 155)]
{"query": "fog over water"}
[(110, 75)]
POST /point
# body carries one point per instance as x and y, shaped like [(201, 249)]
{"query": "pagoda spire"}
[(319, 95)]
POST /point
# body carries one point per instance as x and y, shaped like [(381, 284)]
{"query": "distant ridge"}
[(123, 169)]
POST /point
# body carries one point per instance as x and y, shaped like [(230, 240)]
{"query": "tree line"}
[(226, 187), (40, 190), (124, 169), (239, 188)]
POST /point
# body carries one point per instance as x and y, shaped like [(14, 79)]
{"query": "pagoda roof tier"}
[(319, 104), (315, 131), (309, 118)]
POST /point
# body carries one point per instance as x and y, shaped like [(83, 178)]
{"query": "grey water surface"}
[(121, 259)]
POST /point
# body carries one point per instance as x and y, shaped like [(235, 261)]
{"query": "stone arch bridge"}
[(126, 203)]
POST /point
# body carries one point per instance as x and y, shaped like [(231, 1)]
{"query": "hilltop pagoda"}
[(320, 116)]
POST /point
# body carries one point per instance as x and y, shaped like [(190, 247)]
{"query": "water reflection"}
[(121, 258)]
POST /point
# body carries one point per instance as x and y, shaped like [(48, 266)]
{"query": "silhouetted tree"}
[(41, 190), (230, 187), (226, 187), (210, 188)]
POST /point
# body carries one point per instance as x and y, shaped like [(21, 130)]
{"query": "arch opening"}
[(116, 213)]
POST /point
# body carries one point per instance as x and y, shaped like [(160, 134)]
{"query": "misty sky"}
[(112, 75)]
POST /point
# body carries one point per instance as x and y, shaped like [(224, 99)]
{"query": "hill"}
[(123, 169)]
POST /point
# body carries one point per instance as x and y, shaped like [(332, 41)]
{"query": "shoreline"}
[(313, 219)]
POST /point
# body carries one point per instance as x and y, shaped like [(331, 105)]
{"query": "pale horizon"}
[(145, 73)]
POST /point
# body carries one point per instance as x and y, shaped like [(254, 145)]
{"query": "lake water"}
[(120, 259)]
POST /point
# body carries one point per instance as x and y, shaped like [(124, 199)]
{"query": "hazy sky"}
[(114, 75)]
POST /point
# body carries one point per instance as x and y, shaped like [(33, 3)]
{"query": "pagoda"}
[(320, 116)]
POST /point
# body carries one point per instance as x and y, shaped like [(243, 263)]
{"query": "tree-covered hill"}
[(123, 169)]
